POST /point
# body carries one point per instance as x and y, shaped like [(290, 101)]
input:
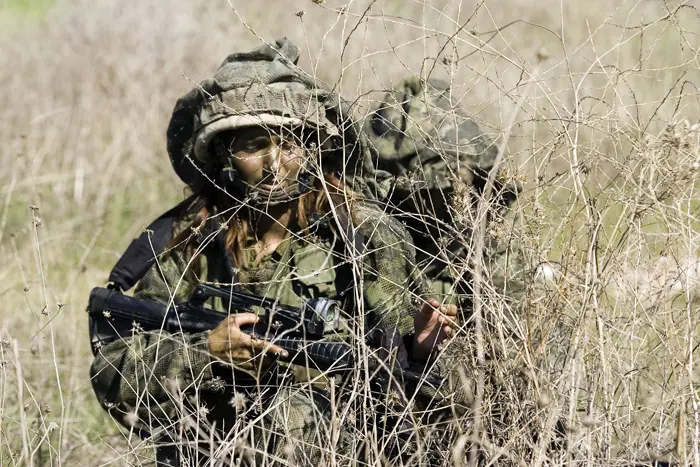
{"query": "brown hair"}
[(206, 205)]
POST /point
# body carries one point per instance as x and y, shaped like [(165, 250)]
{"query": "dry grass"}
[(598, 95)]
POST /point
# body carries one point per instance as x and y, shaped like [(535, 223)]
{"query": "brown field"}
[(597, 101)]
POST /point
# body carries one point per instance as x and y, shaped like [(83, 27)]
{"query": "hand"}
[(230, 343), (432, 325)]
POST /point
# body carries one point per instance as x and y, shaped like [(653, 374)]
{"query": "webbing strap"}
[(144, 250)]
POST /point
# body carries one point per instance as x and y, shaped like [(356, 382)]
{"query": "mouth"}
[(272, 182), (285, 185)]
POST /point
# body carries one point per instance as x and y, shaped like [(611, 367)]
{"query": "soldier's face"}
[(268, 157)]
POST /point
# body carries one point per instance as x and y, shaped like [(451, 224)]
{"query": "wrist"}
[(419, 352)]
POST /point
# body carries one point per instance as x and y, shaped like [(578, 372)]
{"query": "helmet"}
[(263, 87), (416, 128)]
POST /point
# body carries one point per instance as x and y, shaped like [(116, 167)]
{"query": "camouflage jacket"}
[(146, 380)]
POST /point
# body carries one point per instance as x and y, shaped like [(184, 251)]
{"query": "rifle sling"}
[(144, 250)]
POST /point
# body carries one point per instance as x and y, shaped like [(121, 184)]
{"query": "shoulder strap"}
[(143, 251)]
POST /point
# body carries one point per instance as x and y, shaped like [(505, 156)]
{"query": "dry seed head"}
[(461, 203), (288, 450), (131, 419), (173, 385), (216, 384), (188, 422), (239, 401)]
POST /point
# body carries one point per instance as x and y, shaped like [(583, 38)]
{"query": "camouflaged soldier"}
[(281, 206), (440, 160)]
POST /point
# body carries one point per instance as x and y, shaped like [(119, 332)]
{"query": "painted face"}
[(263, 157)]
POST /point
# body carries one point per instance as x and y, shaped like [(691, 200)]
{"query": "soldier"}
[(282, 186), (440, 160)]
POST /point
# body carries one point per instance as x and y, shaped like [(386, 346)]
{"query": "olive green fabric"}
[(157, 379)]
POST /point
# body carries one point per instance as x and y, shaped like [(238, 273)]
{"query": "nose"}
[(273, 159)]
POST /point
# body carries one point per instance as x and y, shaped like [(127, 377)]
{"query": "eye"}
[(255, 145), (288, 145)]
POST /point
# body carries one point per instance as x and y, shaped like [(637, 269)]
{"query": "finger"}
[(245, 319), (430, 306), (448, 314), (449, 310), (262, 345), (445, 318)]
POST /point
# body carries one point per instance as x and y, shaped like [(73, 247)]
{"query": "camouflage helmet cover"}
[(417, 129), (430, 145)]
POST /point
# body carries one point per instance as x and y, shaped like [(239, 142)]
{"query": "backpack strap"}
[(144, 250)]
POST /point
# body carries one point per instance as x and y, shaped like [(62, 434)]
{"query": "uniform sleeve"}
[(142, 379), (392, 281)]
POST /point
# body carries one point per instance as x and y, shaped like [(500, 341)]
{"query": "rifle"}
[(301, 331)]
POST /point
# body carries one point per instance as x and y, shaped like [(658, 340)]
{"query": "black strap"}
[(143, 251)]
